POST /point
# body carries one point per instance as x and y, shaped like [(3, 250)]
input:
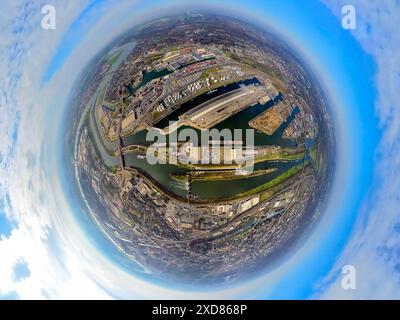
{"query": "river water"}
[(149, 76), (202, 189)]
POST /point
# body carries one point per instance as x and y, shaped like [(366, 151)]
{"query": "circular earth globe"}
[(202, 146)]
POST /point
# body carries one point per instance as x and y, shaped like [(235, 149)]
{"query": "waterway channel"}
[(201, 189)]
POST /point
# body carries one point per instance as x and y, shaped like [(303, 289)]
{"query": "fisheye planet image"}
[(199, 150), (187, 208)]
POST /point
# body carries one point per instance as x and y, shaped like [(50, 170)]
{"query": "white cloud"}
[(374, 248), (25, 50)]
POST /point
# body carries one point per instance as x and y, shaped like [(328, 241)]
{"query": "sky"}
[(48, 250)]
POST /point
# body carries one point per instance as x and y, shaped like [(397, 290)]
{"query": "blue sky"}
[(347, 69), (75, 34), (6, 225)]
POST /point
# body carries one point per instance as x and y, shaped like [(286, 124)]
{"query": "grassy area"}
[(92, 140), (266, 195), (100, 97), (314, 154), (114, 169), (152, 58), (317, 159), (280, 156), (243, 234), (209, 73), (114, 57), (91, 134), (172, 48), (224, 175), (274, 182)]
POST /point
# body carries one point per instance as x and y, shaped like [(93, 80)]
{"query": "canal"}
[(203, 189)]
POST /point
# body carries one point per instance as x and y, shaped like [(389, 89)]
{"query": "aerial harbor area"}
[(203, 147)]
